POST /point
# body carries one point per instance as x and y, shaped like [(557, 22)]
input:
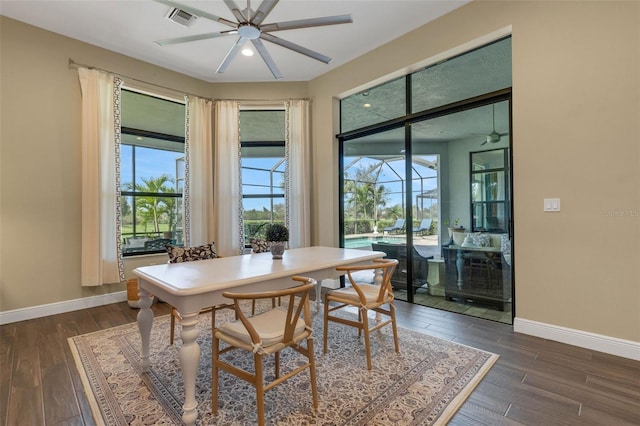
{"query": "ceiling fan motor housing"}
[(249, 31)]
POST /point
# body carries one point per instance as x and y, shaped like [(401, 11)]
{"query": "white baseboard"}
[(583, 339), (32, 312)]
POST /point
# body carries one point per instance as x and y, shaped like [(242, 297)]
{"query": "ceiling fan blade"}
[(267, 58), (265, 8), (306, 23), (235, 10), (296, 48), (195, 37), (198, 12), (231, 54)]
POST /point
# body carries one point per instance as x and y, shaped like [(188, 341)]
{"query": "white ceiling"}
[(130, 27)]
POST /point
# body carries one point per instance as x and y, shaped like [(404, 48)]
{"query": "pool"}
[(365, 242)]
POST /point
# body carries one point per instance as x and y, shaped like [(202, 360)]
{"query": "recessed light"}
[(247, 52), (139, 138), (367, 105)]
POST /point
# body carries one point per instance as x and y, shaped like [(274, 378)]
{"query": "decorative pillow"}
[(481, 240), (190, 254), (259, 246)]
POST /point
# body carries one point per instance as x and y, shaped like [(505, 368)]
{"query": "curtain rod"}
[(74, 64)]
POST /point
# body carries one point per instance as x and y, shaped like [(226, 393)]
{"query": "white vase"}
[(277, 249)]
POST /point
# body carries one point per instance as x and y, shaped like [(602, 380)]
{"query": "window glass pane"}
[(488, 160), (375, 105), (145, 112), (481, 71), (262, 125), (488, 186)]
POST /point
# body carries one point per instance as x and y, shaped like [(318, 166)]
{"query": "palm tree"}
[(367, 197), (151, 207)]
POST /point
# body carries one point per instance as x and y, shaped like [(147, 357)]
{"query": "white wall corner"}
[(32, 312), (583, 339)]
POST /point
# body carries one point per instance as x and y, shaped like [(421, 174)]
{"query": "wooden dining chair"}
[(179, 254), (364, 297), (267, 333)]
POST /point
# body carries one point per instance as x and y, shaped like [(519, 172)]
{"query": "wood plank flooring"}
[(535, 381)]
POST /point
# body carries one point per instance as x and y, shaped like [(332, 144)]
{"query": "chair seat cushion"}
[(349, 293), (269, 326)]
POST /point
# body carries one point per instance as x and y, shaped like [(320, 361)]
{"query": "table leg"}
[(318, 295), (145, 322), (189, 361), (459, 265)]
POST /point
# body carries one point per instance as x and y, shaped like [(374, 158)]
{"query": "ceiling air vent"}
[(181, 17)]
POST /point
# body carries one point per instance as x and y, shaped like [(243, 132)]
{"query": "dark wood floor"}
[(535, 382)]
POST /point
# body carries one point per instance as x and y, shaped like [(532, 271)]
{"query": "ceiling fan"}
[(249, 26), (493, 137)]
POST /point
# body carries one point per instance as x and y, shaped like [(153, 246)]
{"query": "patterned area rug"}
[(423, 385)]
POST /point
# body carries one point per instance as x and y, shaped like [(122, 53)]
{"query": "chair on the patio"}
[(425, 225), (398, 226)]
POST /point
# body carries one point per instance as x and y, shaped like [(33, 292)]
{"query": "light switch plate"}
[(552, 204)]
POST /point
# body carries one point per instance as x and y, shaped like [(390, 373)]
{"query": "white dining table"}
[(192, 286)]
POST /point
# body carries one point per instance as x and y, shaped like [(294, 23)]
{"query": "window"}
[(263, 164), (151, 172), (489, 190)]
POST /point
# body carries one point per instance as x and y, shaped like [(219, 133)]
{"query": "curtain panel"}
[(298, 173), (199, 225), (227, 203), (101, 257)]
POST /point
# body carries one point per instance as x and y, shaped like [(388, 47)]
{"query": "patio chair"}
[(425, 225), (157, 244), (398, 226)]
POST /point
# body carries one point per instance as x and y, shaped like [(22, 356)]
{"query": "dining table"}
[(193, 286)]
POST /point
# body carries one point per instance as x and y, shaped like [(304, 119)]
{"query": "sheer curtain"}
[(227, 203), (101, 258), (298, 188), (199, 224)]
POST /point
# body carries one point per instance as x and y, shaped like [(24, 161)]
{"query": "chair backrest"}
[(297, 306), (399, 223), (386, 265), (425, 224)]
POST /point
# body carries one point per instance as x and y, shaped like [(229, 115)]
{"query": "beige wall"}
[(576, 100), (40, 158), (576, 133)]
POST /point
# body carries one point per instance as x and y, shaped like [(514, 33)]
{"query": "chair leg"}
[(215, 343), (312, 374), (326, 326), (277, 362), (365, 328), (259, 383), (392, 314)]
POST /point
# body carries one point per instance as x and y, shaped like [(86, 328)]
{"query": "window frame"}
[(133, 194), (247, 144)]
